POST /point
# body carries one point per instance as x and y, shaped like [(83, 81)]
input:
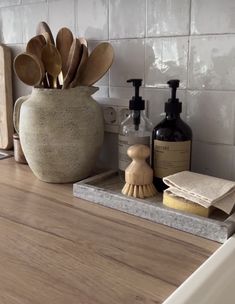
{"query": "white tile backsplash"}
[(166, 58), (211, 116), (61, 14), (124, 92), (32, 1), (211, 159), (167, 18), (126, 19), (213, 16), (4, 3), (11, 25), (128, 62), (102, 92), (211, 64), (31, 16), (151, 41), (92, 19)]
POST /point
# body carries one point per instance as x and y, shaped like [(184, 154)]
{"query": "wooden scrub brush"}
[(139, 175)]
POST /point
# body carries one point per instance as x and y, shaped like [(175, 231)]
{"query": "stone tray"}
[(105, 189)]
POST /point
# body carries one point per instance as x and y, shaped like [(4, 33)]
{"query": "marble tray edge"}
[(208, 228)]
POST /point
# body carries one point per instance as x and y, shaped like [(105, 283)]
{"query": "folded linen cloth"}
[(202, 189)]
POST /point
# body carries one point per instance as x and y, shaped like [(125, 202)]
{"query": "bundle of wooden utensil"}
[(62, 64)]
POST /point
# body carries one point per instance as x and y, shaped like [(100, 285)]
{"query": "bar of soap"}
[(182, 204)]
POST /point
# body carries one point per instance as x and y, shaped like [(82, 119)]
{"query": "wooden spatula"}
[(64, 40), (73, 62), (52, 62), (42, 28), (81, 66), (97, 64)]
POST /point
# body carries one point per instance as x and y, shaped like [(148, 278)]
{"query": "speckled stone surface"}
[(105, 189)]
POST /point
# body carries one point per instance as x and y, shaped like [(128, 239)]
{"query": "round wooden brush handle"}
[(138, 172), (138, 152)]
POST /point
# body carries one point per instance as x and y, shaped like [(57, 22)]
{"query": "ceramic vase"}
[(61, 132)]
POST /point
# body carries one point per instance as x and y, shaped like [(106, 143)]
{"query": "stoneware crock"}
[(61, 132)]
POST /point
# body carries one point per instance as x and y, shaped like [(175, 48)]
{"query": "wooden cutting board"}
[(6, 102)]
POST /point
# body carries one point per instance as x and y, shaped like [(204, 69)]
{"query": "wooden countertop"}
[(55, 248)]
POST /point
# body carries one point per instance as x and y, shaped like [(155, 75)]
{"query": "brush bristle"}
[(143, 191)]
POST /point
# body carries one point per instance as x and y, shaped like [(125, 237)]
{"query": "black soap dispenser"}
[(135, 129), (171, 141)]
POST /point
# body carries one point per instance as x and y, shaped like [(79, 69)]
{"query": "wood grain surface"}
[(55, 248)]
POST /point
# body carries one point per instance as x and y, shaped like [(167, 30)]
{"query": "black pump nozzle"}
[(173, 106), (137, 84), (136, 103), (174, 84)]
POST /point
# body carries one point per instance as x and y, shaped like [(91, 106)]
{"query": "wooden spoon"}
[(64, 40), (34, 46), (29, 69), (97, 64), (73, 62), (81, 66), (83, 40), (42, 28), (52, 62), (47, 37)]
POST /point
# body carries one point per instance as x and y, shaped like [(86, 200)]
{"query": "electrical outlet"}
[(113, 116), (110, 115), (110, 118), (115, 111)]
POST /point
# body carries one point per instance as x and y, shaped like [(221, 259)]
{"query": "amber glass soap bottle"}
[(172, 140)]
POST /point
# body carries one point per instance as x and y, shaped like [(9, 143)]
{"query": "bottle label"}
[(124, 142), (171, 157)]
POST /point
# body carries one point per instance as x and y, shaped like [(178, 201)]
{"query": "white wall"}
[(156, 40)]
